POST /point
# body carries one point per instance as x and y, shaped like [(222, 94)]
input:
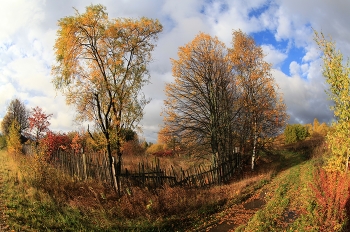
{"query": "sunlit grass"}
[(56, 202)]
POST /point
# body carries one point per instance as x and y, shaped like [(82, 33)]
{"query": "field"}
[(279, 196)]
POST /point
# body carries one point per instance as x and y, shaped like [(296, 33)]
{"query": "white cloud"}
[(29, 74), (28, 32), (17, 15), (305, 100), (273, 55), (294, 68), (312, 53), (7, 92)]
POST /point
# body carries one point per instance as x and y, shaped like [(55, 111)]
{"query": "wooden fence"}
[(96, 166)]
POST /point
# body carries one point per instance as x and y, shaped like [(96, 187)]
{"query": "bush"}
[(13, 141), (331, 194), (166, 153), (294, 133), (158, 147)]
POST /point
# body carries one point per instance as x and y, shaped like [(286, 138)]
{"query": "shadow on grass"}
[(297, 153), (283, 157)]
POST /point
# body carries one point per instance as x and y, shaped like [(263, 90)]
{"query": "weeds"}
[(331, 194)]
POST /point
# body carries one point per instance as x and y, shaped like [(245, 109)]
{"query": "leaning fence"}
[(96, 166)]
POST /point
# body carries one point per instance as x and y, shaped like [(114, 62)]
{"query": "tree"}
[(201, 103), (101, 68), (263, 113), (337, 77), (296, 132), (52, 142), (14, 138), (15, 111), (222, 98), (316, 125), (39, 123)]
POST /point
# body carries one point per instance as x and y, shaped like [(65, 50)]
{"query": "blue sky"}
[(283, 28)]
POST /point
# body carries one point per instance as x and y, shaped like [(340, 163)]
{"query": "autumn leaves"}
[(101, 69), (222, 97)]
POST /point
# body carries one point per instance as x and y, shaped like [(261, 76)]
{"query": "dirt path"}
[(240, 214)]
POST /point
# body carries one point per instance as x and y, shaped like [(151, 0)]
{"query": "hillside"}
[(278, 196)]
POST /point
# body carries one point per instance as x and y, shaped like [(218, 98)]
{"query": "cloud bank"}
[(283, 28)]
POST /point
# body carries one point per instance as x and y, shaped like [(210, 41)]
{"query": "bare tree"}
[(15, 111)]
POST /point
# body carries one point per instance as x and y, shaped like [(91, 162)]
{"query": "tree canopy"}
[(295, 132), (223, 97)]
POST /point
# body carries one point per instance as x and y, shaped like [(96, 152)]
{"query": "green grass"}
[(30, 209), (288, 193)]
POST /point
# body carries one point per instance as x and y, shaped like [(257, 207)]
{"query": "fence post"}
[(84, 167)]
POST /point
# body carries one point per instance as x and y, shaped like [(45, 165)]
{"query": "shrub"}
[(294, 133), (2, 141), (155, 148), (54, 141), (166, 153), (14, 139), (331, 194)]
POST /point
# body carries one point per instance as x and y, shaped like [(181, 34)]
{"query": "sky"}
[(283, 28)]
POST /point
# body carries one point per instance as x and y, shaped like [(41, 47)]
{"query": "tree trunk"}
[(254, 145), (112, 168), (119, 163)]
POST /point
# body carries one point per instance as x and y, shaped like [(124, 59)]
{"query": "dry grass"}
[(169, 164), (42, 190)]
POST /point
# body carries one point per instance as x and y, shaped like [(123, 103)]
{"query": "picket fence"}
[(96, 166)]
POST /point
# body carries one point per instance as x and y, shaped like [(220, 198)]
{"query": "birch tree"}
[(201, 102), (101, 68), (15, 111), (336, 72), (263, 110)]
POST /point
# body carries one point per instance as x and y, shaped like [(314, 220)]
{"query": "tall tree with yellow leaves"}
[(13, 139), (263, 112), (201, 102), (222, 98), (337, 73), (101, 68)]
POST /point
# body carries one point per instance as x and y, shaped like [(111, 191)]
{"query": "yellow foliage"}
[(156, 148), (13, 140), (337, 76)]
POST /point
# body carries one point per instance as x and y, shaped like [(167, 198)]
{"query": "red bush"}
[(331, 192), (54, 141)]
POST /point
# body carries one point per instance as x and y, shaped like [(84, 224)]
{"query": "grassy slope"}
[(289, 204), (289, 200), (31, 210)]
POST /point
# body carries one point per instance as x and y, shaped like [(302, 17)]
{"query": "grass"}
[(52, 202), (39, 198), (292, 204), (30, 209), (288, 195)]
